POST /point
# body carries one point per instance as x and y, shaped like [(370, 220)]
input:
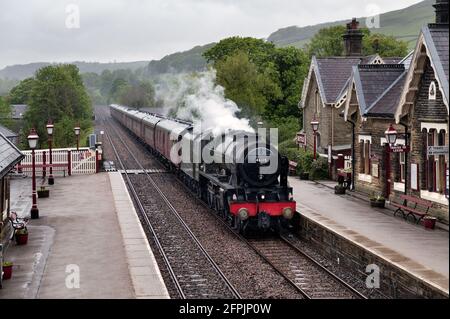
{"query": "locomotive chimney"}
[(353, 39), (441, 9)]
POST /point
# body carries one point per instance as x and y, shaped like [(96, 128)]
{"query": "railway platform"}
[(86, 244), (424, 254)]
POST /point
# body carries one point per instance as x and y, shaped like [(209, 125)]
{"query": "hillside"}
[(22, 71), (187, 61), (403, 24)]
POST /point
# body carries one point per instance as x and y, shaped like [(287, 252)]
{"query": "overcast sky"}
[(130, 30)]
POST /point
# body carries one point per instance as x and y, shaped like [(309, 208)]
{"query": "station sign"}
[(437, 150), (301, 138), (399, 149)]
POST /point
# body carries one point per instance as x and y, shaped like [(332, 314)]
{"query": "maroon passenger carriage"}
[(243, 191)]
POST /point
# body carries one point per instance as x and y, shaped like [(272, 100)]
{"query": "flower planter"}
[(43, 193), (7, 271), (429, 222), (377, 203), (21, 239), (339, 190), (304, 176)]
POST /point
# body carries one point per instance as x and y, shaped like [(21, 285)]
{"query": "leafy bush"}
[(319, 169), (285, 147), (306, 159)]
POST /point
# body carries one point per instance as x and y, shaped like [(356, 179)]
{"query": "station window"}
[(402, 167), (365, 152), (317, 102), (435, 165)]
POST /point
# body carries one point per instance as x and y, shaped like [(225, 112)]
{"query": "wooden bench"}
[(412, 210)]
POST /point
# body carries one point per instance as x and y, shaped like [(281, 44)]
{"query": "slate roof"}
[(392, 60), (436, 39), (7, 132), (377, 87), (332, 74), (386, 104), (9, 155)]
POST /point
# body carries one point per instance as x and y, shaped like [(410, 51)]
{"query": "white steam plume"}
[(198, 99)]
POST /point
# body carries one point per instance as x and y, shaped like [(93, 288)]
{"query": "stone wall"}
[(394, 282), (324, 117)]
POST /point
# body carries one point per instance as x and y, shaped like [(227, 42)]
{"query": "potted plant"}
[(7, 270), (43, 192), (21, 236), (339, 189), (377, 201), (429, 222)]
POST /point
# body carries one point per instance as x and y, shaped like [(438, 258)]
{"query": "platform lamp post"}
[(77, 133), (391, 138), (50, 127), (315, 128), (32, 142)]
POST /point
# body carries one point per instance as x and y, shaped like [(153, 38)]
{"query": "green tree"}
[(258, 51), (5, 112), (244, 85), (384, 45), (328, 42), (263, 80), (137, 96), (21, 92), (58, 93)]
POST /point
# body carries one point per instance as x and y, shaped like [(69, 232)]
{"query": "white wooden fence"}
[(65, 161)]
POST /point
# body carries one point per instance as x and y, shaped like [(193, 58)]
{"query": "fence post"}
[(69, 163), (44, 169), (19, 168)]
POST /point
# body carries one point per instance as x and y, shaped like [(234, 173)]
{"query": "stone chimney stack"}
[(353, 39), (441, 9)]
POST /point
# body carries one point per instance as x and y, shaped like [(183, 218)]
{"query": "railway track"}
[(306, 275), (192, 270), (314, 280)]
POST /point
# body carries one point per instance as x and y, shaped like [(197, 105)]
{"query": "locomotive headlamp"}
[(263, 197), (288, 213), (243, 213)]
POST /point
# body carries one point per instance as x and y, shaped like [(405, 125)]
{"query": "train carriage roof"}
[(173, 126)]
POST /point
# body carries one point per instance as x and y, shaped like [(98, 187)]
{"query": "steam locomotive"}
[(238, 174)]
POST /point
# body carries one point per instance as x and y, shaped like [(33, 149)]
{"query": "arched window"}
[(432, 91)]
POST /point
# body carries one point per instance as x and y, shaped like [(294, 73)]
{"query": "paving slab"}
[(76, 237), (143, 268), (422, 252)]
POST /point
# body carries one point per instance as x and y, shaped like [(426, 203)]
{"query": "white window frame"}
[(432, 91)]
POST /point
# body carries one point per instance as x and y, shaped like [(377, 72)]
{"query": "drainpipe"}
[(406, 156)]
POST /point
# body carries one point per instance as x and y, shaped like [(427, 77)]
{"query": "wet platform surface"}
[(76, 248), (422, 252)]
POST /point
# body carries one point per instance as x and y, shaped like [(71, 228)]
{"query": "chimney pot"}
[(441, 9), (353, 39)]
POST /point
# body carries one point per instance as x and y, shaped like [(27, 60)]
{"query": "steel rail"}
[(182, 222)]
